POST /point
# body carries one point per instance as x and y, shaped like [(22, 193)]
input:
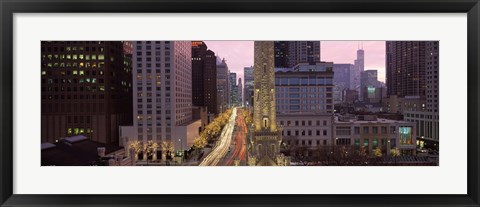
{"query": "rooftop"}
[(82, 153)]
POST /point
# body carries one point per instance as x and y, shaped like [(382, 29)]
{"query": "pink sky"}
[(239, 54)]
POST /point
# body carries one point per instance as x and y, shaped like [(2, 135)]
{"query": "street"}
[(239, 144), (223, 143)]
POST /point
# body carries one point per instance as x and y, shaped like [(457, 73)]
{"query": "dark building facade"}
[(281, 54), (303, 52), (85, 89), (204, 77), (405, 68)]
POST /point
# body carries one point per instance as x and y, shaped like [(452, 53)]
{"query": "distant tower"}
[(265, 137), (240, 92), (359, 68), (360, 61)]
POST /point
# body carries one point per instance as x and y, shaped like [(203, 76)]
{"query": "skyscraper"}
[(427, 120), (240, 92), (85, 89), (222, 84), (281, 54), (359, 68), (163, 92), (248, 86), (265, 137), (360, 61), (233, 89), (405, 68), (303, 52), (204, 77)]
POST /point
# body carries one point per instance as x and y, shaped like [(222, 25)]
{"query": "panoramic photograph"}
[(240, 103)]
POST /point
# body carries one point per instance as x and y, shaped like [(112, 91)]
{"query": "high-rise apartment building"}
[(405, 68), (303, 52), (281, 54), (427, 120), (204, 77), (413, 71), (85, 89), (162, 92)]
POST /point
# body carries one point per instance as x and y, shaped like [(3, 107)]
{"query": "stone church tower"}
[(265, 136)]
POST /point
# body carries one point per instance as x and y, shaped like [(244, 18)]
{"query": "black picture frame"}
[(10, 7)]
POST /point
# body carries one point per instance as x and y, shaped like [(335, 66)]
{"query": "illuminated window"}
[(74, 72), (101, 88), (94, 80), (80, 57), (94, 57), (81, 64), (87, 57), (101, 57), (69, 57), (69, 48), (405, 134), (87, 80), (74, 57), (81, 72), (43, 72), (69, 131)]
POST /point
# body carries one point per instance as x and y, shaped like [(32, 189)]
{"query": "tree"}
[(137, 147), (395, 152), (166, 146)]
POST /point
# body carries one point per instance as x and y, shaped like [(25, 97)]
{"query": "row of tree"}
[(150, 147), (212, 130)]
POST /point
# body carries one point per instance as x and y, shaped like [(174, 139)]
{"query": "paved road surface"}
[(239, 144), (223, 143)]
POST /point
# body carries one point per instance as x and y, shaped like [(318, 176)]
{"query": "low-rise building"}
[(372, 133), (306, 129)]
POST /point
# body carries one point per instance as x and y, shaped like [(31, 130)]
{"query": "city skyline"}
[(337, 52)]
